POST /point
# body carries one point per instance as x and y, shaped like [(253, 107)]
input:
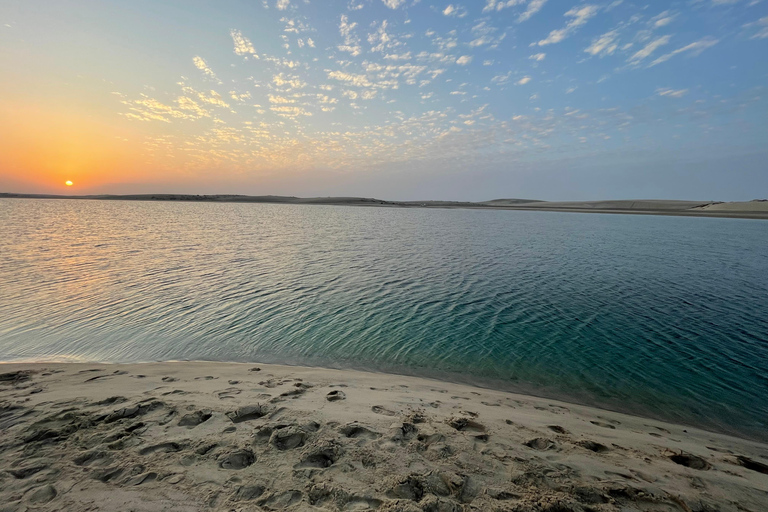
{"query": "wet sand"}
[(225, 436)]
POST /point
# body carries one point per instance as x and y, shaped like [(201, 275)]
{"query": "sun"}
[(68, 183)]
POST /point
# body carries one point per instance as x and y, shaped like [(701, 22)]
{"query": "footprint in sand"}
[(540, 443), (22, 473), (287, 438), (249, 412), (335, 396), (690, 461), (355, 431), (593, 446), (752, 464), (466, 425), (194, 419), (162, 447), (227, 393), (237, 460), (381, 410)]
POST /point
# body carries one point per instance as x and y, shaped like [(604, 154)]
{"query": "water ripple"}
[(660, 316)]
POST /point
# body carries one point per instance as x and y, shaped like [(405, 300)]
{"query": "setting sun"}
[(68, 183)]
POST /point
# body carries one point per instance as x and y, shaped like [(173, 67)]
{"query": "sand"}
[(746, 210), (224, 436)]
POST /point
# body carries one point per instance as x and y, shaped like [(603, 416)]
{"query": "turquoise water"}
[(661, 316)]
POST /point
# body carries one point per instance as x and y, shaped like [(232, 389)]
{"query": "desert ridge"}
[(188, 436)]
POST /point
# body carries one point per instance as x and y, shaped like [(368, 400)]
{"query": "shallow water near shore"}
[(658, 316)]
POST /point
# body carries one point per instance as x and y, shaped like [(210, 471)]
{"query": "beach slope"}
[(223, 436)]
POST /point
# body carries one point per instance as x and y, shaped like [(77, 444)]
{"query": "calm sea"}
[(660, 316)]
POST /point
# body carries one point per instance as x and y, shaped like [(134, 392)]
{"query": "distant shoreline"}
[(757, 209)]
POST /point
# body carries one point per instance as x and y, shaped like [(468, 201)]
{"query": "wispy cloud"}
[(604, 45), (523, 80), (533, 7), (648, 49), (538, 57), (692, 49), (579, 16), (464, 60), (760, 28), (672, 93)]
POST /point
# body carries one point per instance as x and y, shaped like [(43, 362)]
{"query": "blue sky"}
[(399, 99)]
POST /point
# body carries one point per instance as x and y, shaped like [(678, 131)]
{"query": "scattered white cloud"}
[(351, 41), (692, 49), (533, 7), (672, 93), (393, 4), (648, 49), (523, 80), (662, 19), (243, 45), (579, 16), (760, 28), (202, 66), (282, 5), (464, 60), (603, 45), (538, 57)]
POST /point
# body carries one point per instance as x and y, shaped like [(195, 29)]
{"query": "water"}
[(660, 316)]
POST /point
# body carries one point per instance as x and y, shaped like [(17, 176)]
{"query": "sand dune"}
[(751, 209), (747, 206), (221, 436)]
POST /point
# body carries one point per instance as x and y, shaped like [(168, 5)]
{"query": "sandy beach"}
[(225, 436)]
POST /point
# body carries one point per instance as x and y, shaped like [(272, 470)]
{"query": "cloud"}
[(351, 41), (202, 66), (280, 99), (694, 50), (523, 80), (604, 45), (464, 60), (288, 82), (393, 4), (243, 46), (579, 15), (672, 93), (663, 19), (282, 5), (534, 6), (648, 49), (483, 34), (538, 57), (761, 26), (350, 78)]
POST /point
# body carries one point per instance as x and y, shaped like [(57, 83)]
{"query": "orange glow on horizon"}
[(49, 147)]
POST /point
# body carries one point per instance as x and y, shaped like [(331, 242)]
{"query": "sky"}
[(394, 99)]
